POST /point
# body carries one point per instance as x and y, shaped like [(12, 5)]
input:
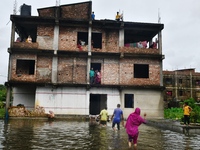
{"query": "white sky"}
[(180, 36)]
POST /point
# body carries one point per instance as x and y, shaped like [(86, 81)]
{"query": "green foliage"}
[(2, 104), (2, 93), (177, 113), (173, 113), (2, 112)]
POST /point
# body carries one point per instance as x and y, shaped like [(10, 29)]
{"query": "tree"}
[(2, 93)]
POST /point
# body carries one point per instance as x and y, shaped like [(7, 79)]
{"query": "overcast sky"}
[(180, 36)]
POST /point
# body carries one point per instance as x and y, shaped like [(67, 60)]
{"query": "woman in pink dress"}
[(134, 120)]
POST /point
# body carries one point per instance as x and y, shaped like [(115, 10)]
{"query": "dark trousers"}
[(91, 80), (118, 125), (186, 119)]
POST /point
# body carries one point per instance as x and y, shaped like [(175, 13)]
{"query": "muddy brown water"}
[(80, 135)]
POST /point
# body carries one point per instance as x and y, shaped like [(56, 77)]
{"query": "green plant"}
[(2, 93), (177, 113), (2, 112), (173, 113)]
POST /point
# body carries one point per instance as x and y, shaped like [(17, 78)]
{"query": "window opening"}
[(97, 40), (25, 67), (197, 82), (141, 71), (180, 93), (129, 101), (168, 80), (180, 81), (82, 38)]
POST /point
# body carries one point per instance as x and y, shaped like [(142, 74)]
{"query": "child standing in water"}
[(134, 120)]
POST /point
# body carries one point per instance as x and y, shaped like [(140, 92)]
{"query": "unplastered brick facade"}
[(56, 51), (67, 43)]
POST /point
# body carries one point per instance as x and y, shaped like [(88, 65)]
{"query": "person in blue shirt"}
[(93, 16), (117, 117)]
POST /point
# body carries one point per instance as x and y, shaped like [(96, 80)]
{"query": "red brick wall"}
[(44, 69), (81, 70), (68, 38), (74, 70), (65, 70), (78, 11), (46, 12), (110, 41), (127, 72)]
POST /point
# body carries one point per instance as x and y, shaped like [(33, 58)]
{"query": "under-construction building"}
[(52, 69)]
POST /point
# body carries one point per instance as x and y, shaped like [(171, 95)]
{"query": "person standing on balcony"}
[(91, 76)]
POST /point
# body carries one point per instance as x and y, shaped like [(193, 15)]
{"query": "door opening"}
[(97, 103)]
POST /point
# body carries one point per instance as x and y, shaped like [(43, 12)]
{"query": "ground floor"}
[(83, 101)]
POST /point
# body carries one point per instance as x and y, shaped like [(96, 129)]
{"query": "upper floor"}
[(69, 28)]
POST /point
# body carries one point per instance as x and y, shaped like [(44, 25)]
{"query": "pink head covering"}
[(133, 122)]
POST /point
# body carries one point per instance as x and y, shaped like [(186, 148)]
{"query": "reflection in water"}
[(70, 135)]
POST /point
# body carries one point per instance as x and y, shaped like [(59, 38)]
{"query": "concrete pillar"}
[(89, 51), (89, 38), (12, 34), (55, 58), (160, 42), (175, 80), (160, 52), (56, 38), (191, 89), (121, 38), (54, 69)]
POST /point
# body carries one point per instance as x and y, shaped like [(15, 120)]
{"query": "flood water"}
[(80, 135)]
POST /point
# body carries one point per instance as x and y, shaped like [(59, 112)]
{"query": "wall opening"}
[(96, 39), (97, 103), (128, 100), (82, 38), (180, 93), (141, 71), (23, 31), (96, 66), (180, 81), (26, 67), (97, 76), (168, 80)]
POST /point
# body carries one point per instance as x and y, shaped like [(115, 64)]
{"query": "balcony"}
[(25, 45)]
